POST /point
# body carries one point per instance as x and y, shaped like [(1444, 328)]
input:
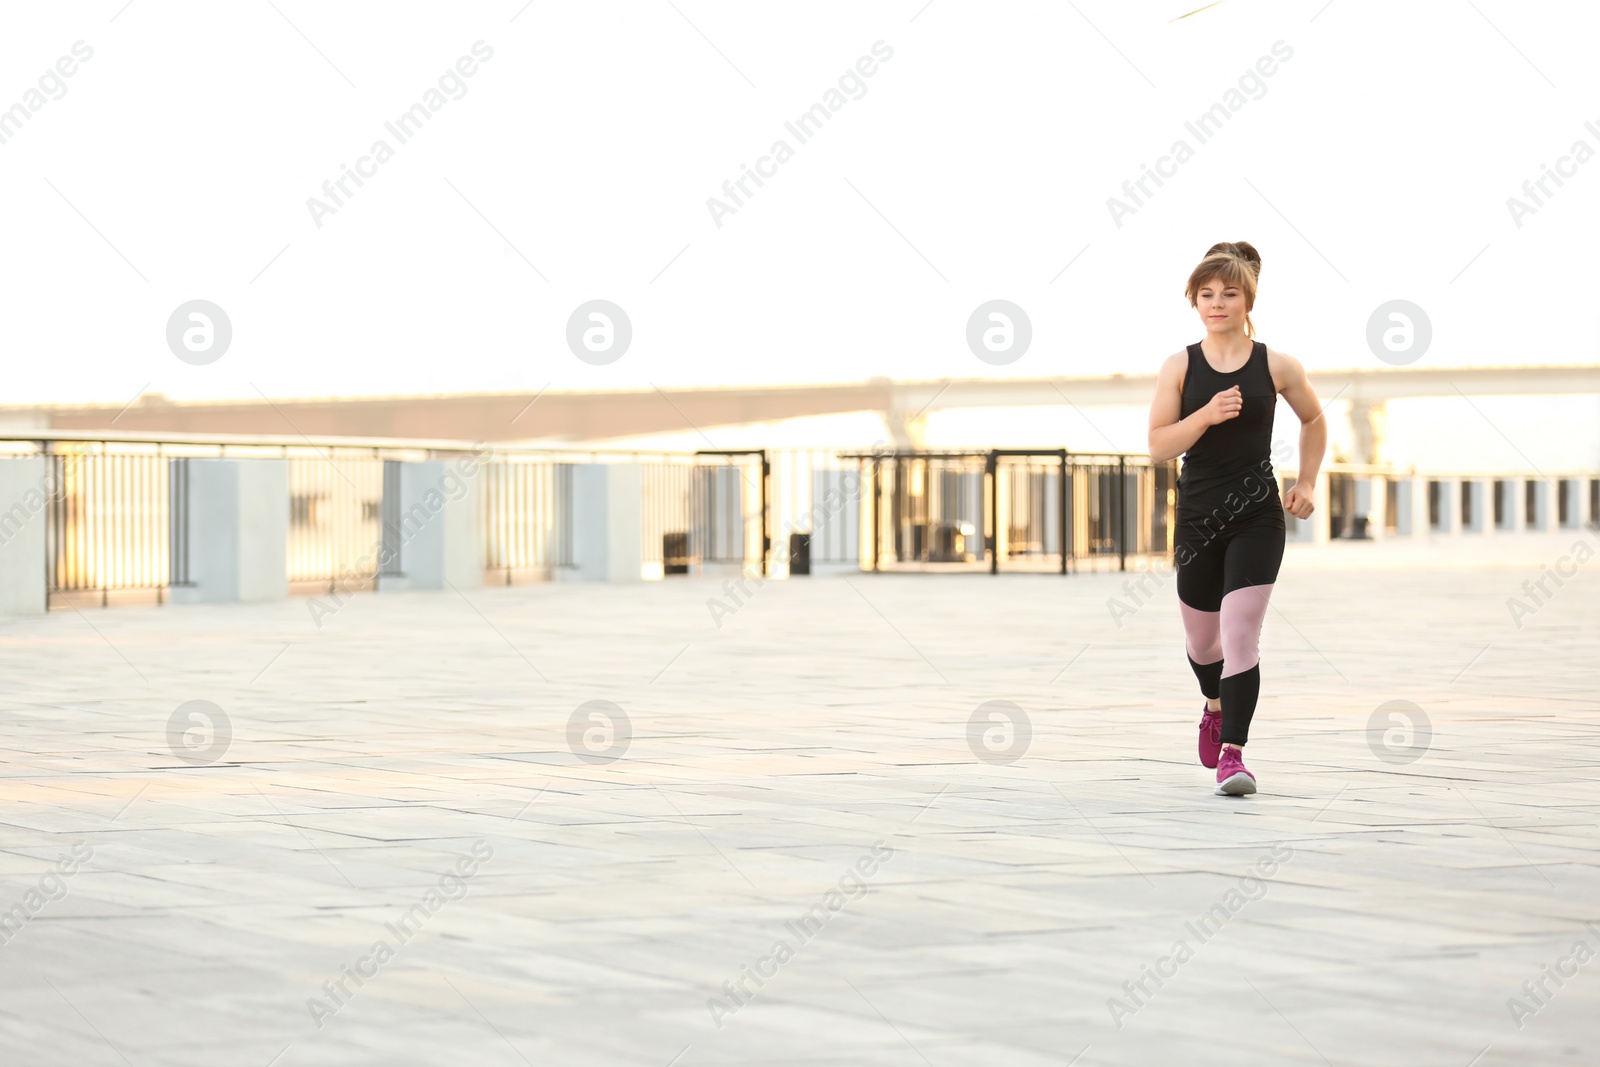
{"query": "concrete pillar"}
[(231, 525), (1366, 507), (1368, 422), (607, 523), (907, 430), (1296, 531), (1477, 519), (1449, 503), (1574, 489), (1321, 531), (1479, 507), (434, 526), (1378, 516), (25, 493)]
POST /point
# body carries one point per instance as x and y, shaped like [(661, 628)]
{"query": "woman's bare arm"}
[(1302, 399), (1170, 435)]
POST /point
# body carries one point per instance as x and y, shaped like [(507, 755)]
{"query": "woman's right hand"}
[(1224, 406)]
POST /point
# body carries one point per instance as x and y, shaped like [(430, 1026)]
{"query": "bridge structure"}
[(597, 415)]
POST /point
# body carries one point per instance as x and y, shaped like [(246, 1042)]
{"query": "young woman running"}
[(1214, 404)]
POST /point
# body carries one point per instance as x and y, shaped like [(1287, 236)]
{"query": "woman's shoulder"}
[(1175, 368), (1283, 367), (1177, 363)]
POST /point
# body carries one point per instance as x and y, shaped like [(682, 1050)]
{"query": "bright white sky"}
[(1375, 163)]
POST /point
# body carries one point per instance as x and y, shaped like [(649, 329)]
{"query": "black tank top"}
[(1230, 466)]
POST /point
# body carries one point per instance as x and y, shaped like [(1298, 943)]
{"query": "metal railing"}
[(107, 519), (335, 516), (696, 508), (706, 507), (527, 518), (1013, 509), (118, 512), (116, 509)]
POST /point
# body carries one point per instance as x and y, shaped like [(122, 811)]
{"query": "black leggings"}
[(1227, 565)]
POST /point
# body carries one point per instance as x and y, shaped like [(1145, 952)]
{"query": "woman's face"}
[(1221, 306)]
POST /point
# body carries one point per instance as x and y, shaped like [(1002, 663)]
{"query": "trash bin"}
[(675, 553), (952, 542), (799, 554)]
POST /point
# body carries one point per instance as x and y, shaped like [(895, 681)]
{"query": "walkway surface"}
[(942, 820)]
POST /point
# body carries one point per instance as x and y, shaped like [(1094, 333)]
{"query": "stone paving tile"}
[(767, 756)]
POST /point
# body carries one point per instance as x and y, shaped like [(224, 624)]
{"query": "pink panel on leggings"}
[(1243, 612), (1202, 631)]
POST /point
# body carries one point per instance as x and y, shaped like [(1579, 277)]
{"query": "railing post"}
[(1122, 514), (1061, 510), (178, 521), (24, 527), (877, 506), (766, 515), (991, 484)]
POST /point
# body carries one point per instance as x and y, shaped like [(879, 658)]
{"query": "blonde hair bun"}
[(1239, 249)]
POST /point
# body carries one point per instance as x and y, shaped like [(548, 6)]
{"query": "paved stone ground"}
[(1379, 902)]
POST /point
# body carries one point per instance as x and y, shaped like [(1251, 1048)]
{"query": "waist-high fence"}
[(104, 517)]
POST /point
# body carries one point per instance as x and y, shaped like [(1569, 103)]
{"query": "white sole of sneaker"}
[(1237, 785)]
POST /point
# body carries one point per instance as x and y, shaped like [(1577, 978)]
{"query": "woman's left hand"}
[(1297, 501)]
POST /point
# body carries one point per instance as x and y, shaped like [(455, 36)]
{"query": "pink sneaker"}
[(1210, 737), (1232, 778)]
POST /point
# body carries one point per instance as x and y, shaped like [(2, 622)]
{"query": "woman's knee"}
[(1241, 647), (1241, 639), (1243, 613), (1202, 631)]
